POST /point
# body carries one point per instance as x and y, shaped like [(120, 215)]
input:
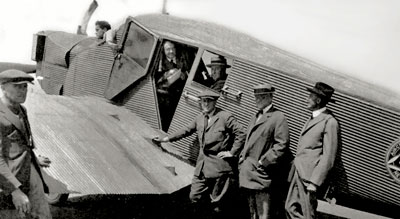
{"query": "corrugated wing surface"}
[(100, 148), (367, 129)]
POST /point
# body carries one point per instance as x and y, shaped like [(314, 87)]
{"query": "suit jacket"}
[(317, 148), (16, 153), (267, 142), (172, 92), (223, 133)]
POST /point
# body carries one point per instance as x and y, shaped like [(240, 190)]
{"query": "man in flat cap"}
[(265, 154), (316, 152), (21, 181), (221, 139)]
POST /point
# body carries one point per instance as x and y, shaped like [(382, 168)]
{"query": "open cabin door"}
[(133, 60), (130, 83)]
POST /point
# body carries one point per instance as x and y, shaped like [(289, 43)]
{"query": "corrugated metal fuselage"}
[(369, 120)]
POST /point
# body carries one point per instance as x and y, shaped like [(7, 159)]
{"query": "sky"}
[(360, 38)]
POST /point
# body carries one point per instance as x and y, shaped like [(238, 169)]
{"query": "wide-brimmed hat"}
[(323, 90), (263, 89), (15, 76), (209, 94), (219, 60)]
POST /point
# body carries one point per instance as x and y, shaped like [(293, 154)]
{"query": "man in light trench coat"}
[(316, 152)]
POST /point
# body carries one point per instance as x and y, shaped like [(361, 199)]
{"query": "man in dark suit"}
[(265, 154), (316, 152), (21, 181), (170, 78), (218, 76), (221, 139)]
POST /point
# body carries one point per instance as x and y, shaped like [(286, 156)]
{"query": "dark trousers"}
[(215, 197), (300, 203)]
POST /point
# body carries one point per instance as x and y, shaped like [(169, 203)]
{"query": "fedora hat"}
[(263, 89), (323, 90), (209, 94), (219, 60), (15, 76)]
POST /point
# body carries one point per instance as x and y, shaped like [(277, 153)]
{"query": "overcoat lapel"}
[(312, 122), (11, 117), (212, 121), (253, 128)]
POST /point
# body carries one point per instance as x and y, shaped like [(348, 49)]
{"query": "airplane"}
[(368, 169)]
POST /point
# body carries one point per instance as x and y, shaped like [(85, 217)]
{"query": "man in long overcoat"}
[(21, 182), (316, 152), (221, 139), (265, 154)]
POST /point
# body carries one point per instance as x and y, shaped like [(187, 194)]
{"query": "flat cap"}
[(15, 76), (263, 89), (209, 94)]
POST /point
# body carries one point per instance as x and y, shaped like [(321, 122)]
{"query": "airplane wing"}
[(99, 148)]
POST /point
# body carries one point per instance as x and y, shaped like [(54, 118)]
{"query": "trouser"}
[(39, 206), (300, 203), (213, 195), (259, 202)]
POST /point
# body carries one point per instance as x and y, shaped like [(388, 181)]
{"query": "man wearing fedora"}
[(316, 152), (21, 181), (265, 156), (221, 139), (218, 67)]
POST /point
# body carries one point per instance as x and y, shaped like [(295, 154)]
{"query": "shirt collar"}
[(267, 108), (318, 111), (210, 114), (173, 59)]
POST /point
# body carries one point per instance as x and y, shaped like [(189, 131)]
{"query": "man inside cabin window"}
[(170, 78), (217, 78)]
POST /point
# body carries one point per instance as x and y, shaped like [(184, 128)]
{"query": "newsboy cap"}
[(218, 60), (323, 90), (209, 94), (263, 89), (15, 77)]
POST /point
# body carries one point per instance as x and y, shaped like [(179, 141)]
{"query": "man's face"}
[(208, 104), (217, 72), (15, 93), (169, 50), (262, 100), (313, 102), (100, 32)]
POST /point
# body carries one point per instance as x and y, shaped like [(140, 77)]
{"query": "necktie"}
[(205, 127), (172, 63)]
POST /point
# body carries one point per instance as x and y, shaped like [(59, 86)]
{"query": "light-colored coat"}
[(223, 133), (16, 153), (317, 148), (267, 141)]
